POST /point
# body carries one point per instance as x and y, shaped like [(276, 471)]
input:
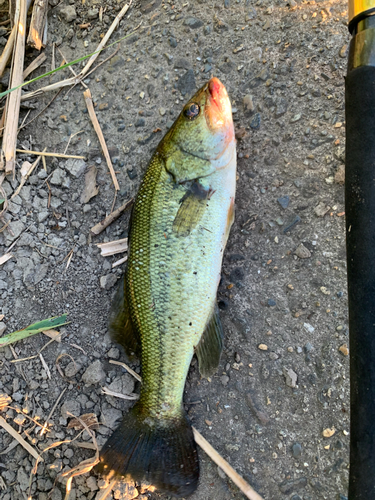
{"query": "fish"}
[(165, 309)]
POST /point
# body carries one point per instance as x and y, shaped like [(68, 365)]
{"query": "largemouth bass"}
[(166, 309)]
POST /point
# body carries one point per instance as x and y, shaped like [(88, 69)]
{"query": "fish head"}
[(202, 138)]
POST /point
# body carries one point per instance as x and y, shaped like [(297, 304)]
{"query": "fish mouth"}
[(218, 107)]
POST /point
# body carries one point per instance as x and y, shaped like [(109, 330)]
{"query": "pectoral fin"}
[(192, 208), (120, 324), (210, 346)]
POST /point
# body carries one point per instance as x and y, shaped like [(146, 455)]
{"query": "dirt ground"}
[(278, 408)]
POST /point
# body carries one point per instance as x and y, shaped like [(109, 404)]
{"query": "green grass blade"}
[(39, 326), (60, 68)]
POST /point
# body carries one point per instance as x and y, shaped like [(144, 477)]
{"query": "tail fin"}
[(162, 453)]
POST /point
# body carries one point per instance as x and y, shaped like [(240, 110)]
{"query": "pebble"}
[(263, 347), (68, 13), (110, 417), (94, 373), (327, 433), (296, 450), (271, 303), (108, 281), (193, 22), (92, 13), (290, 377), (140, 122), (186, 83), (224, 379), (302, 252), (75, 167), (248, 103), (72, 406), (284, 201), (72, 369), (291, 223), (343, 51), (172, 42), (344, 349), (321, 209), (290, 485), (296, 118), (3, 327), (255, 122), (124, 491), (281, 106), (162, 111)]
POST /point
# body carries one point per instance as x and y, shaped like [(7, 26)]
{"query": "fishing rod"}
[(360, 244)]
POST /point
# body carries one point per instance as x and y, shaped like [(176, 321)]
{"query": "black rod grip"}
[(360, 243)]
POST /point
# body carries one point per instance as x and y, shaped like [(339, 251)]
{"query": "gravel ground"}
[(278, 408)]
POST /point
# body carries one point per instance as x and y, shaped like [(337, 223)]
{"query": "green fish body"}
[(166, 309)]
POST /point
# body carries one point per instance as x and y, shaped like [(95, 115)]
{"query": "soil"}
[(283, 381)]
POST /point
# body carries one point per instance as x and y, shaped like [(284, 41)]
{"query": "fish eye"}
[(192, 111)]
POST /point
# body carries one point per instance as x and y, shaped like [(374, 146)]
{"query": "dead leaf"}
[(90, 419), (91, 189)]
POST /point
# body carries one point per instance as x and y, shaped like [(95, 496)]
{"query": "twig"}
[(228, 469), (65, 60), (98, 130), (4, 424), (70, 138), (4, 258), (127, 368), (26, 176), (98, 228), (108, 392), (120, 261), (38, 21), (45, 153), (34, 65), (7, 52), (8, 153), (44, 428), (113, 247)]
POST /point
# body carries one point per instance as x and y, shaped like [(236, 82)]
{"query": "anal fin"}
[(210, 346), (120, 324)]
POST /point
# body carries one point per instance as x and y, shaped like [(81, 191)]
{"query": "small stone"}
[(340, 175), (324, 290), (290, 377), (93, 13), (172, 42), (72, 406), (14, 230), (255, 122), (142, 95), (94, 373), (224, 379), (302, 252), (75, 167), (71, 369), (327, 433), (124, 491), (296, 118), (271, 303), (248, 103), (281, 106), (57, 177), (162, 111), (296, 450), (3, 327), (110, 417), (284, 201), (344, 349), (343, 51), (108, 281), (263, 347), (113, 353), (186, 83), (68, 13), (193, 22), (290, 485), (321, 209), (22, 479), (291, 223), (91, 483), (140, 122)]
